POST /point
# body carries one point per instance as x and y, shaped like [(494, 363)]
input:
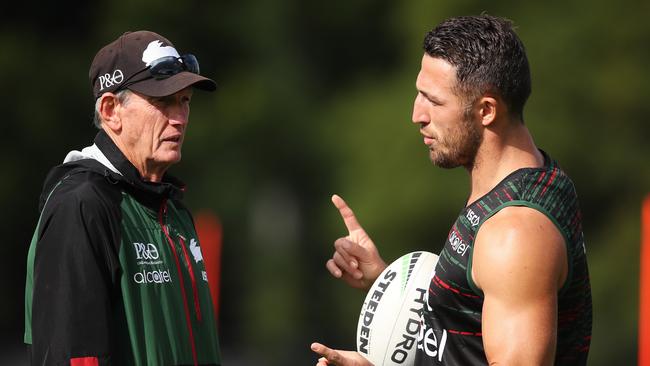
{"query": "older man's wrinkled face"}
[(153, 130)]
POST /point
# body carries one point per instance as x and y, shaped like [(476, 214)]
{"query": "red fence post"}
[(644, 286), (210, 233)]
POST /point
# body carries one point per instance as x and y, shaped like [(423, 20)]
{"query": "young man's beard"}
[(458, 148)]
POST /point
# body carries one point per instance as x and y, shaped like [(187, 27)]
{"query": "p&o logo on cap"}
[(107, 80)]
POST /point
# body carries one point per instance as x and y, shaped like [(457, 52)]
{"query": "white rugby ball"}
[(389, 322)]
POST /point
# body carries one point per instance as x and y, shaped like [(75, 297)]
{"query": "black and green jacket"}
[(115, 274)]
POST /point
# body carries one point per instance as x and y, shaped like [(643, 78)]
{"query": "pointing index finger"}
[(346, 213)]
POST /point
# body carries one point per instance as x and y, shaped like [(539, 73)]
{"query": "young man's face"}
[(452, 136), (154, 129)]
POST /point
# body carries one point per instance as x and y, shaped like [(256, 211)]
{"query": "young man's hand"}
[(338, 357), (356, 259)]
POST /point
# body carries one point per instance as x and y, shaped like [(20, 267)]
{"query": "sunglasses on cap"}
[(164, 67), (167, 66)]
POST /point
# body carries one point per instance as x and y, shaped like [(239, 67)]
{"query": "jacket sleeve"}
[(75, 277)]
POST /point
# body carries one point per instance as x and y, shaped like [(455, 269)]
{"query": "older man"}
[(520, 293), (111, 279)]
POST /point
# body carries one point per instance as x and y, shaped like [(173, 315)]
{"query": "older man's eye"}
[(161, 101)]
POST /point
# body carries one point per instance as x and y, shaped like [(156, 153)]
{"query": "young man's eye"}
[(429, 99), (433, 101)]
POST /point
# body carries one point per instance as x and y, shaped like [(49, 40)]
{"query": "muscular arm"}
[(520, 263)]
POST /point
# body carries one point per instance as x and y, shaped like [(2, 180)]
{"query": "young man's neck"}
[(501, 153)]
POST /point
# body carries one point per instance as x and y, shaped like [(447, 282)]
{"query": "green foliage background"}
[(314, 99)]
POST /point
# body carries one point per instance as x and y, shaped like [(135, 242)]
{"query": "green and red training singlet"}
[(451, 326)]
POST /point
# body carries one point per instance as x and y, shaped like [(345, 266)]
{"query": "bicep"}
[(519, 332), (520, 265)]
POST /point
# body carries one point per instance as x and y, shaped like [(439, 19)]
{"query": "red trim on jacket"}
[(84, 361)]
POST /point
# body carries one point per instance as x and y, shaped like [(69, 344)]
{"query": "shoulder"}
[(86, 192), (82, 210), (519, 243), (547, 185), (516, 221)]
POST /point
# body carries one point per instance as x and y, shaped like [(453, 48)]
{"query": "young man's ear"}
[(488, 108), (108, 106)]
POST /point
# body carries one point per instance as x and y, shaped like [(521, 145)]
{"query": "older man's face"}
[(153, 130)]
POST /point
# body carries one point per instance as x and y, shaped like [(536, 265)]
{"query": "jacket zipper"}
[(165, 229), (195, 291)]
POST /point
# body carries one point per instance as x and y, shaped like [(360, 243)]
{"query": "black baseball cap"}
[(147, 63)]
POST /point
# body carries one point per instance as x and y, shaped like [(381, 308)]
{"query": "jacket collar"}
[(169, 186)]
